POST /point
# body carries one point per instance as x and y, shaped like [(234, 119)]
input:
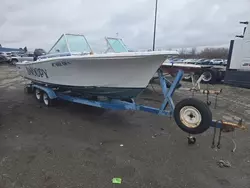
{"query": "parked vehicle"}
[(5, 53), (204, 62), (21, 57), (189, 61), (217, 61), (3, 59), (5, 56), (224, 63)]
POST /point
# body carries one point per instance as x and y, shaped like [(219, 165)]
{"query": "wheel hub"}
[(45, 99), (38, 94), (190, 116)]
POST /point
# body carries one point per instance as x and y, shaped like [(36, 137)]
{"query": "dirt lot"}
[(73, 145)]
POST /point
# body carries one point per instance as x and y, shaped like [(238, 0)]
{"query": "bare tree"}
[(208, 53), (183, 53), (193, 51), (212, 53)]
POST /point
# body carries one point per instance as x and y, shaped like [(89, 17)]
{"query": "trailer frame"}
[(167, 108)]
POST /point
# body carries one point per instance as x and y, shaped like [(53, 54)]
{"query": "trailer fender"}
[(49, 91)]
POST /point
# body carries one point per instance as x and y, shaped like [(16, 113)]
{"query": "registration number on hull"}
[(59, 64)]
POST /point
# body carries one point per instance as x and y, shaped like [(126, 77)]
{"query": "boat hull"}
[(115, 76)]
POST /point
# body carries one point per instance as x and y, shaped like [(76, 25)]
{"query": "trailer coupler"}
[(225, 126)]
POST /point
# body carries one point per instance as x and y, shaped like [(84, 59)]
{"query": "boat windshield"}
[(70, 43), (116, 45)]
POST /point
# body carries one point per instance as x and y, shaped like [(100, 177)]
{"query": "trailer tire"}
[(209, 76), (46, 100), (192, 116), (38, 94), (13, 61)]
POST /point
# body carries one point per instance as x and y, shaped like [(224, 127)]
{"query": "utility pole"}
[(156, 7)]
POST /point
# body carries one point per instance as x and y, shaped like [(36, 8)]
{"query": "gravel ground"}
[(73, 145)]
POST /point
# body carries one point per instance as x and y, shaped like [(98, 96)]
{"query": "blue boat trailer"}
[(191, 115)]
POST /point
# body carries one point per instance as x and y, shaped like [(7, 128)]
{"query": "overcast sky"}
[(181, 23)]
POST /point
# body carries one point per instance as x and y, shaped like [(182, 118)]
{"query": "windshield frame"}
[(117, 39), (68, 44)]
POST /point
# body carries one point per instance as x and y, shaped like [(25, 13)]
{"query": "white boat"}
[(71, 65)]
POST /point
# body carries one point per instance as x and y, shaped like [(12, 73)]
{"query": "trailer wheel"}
[(192, 116), (38, 94), (46, 100), (209, 76), (13, 61)]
